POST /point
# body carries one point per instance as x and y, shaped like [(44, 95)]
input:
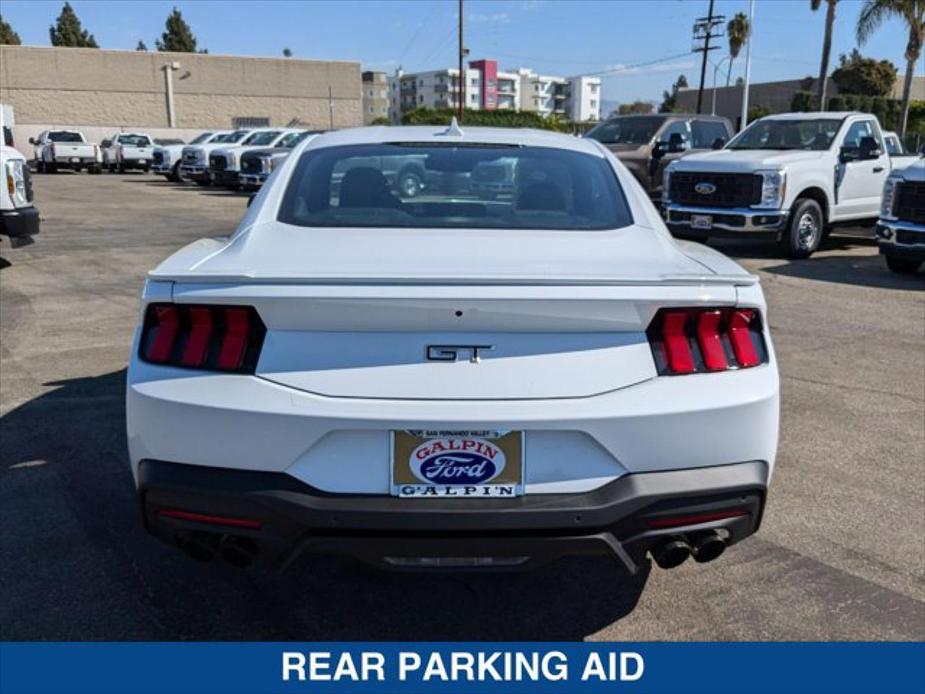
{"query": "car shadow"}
[(860, 270), (85, 569), (4, 263)]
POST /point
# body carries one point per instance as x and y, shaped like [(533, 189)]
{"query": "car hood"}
[(273, 251), (913, 172), (744, 160)]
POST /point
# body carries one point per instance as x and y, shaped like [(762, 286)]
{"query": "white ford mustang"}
[(449, 378)]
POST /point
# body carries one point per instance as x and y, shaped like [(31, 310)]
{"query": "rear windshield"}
[(64, 136), (813, 134), (447, 186), (134, 140), (634, 130), (264, 138)]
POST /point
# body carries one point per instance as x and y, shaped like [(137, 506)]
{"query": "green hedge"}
[(886, 110), (494, 119)]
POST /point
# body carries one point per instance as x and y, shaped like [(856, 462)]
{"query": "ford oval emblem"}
[(457, 461), (705, 188)]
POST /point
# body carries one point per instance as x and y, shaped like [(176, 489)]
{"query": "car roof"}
[(814, 115), (442, 134)]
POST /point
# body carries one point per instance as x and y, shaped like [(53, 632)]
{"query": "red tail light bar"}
[(701, 340), (194, 336)]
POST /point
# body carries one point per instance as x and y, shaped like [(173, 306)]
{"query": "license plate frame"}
[(428, 463), (702, 221)]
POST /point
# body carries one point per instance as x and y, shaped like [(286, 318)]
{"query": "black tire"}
[(902, 266), (175, 174), (112, 168), (94, 170), (804, 229), (147, 169), (121, 168), (409, 184), (51, 167), (204, 183), (40, 166)]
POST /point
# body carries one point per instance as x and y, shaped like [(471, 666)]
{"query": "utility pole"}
[(462, 78), (703, 31), (748, 63)]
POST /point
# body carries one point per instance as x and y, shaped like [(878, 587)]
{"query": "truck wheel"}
[(804, 229), (40, 166), (112, 168), (409, 183), (95, 169), (51, 167), (175, 174), (903, 266)]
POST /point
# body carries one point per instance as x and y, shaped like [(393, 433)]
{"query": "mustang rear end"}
[(449, 381)]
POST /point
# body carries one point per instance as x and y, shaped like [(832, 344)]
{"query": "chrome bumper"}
[(744, 219), (899, 236), (192, 170), (252, 179), (161, 168)]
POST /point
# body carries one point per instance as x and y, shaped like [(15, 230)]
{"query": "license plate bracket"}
[(456, 464), (701, 221)]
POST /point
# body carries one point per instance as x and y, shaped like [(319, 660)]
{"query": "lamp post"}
[(168, 69), (715, 69)]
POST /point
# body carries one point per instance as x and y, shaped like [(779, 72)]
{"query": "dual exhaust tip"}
[(239, 552), (702, 547)]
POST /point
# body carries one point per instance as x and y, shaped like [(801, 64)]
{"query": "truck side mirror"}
[(676, 143), (869, 148), (32, 141), (719, 143), (848, 154), (659, 149)]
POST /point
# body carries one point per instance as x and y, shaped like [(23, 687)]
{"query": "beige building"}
[(375, 96), (102, 91)]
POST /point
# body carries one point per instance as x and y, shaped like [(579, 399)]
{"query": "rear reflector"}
[(698, 340), (216, 338), (210, 519), (694, 518)]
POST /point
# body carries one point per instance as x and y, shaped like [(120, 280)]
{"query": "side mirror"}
[(869, 148), (32, 141), (848, 154), (676, 143), (106, 143), (659, 149), (719, 143)]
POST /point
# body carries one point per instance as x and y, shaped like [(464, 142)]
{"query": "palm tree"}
[(737, 30), (826, 46), (912, 12)]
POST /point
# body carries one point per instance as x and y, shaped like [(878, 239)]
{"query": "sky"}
[(559, 37)]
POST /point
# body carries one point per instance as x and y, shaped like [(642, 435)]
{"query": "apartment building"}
[(489, 88), (375, 96)]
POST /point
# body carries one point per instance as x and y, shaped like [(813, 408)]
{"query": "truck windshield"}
[(236, 136), (770, 133), (262, 138), (292, 139), (201, 138), (632, 130), (64, 136), (423, 185), (135, 140)]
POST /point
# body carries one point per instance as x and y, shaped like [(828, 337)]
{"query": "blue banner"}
[(470, 668)]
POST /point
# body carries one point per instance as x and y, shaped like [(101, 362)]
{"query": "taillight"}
[(698, 340), (193, 336)]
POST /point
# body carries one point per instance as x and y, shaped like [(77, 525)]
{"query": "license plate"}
[(75, 160), (701, 221), (461, 464), (142, 161)]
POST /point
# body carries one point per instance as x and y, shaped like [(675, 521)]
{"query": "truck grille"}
[(217, 162), (190, 157), (27, 181), (910, 202), (731, 189), (158, 157), (251, 165)]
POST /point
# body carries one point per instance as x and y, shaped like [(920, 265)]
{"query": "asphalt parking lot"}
[(841, 554)]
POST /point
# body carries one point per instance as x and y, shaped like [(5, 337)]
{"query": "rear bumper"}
[(68, 162), (901, 239), (727, 222), (294, 518), (135, 163), (19, 224)]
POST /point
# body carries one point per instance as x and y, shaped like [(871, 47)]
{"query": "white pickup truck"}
[(166, 159), (19, 218), (195, 162), (64, 149), (789, 177), (901, 229), (225, 162), (124, 151)]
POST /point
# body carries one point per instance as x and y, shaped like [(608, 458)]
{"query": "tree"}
[(912, 12), (178, 36), (737, 30), (758, 111), (636, 107), (826, 45), (141, 46), (859, 75), (7, 35), (287, 53), (670, 101), (67, 31)]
